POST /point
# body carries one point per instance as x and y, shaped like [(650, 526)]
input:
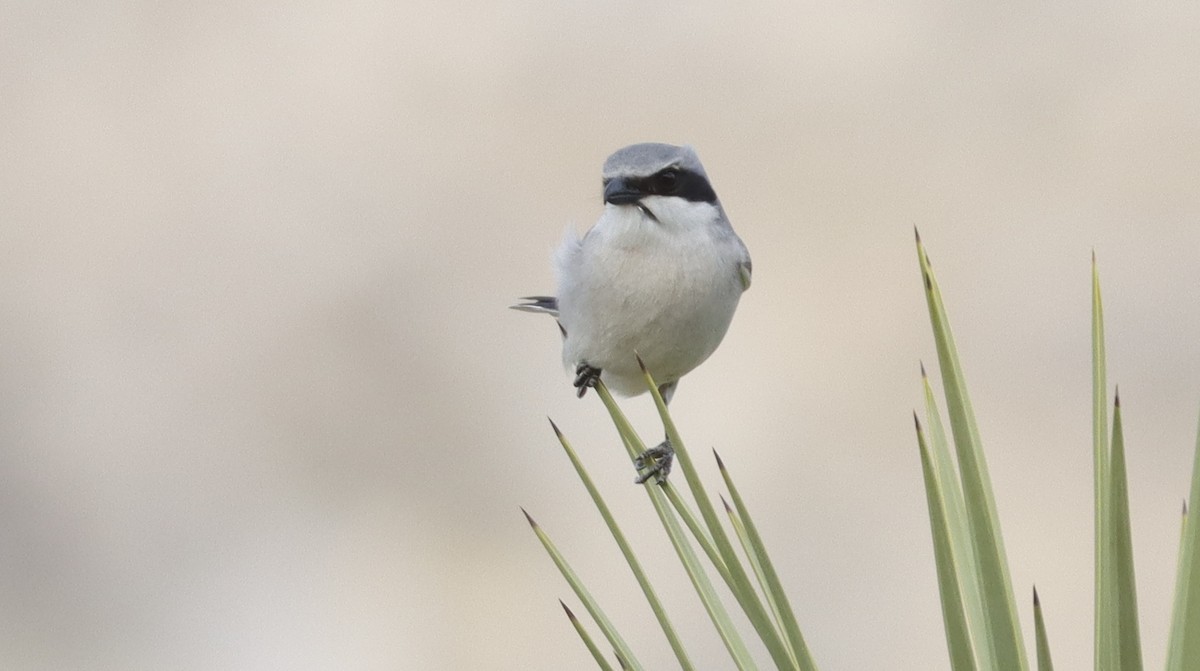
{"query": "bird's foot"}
[(585, 377), (655, 463)]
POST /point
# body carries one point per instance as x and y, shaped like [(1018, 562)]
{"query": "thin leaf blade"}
[(1178, 634), (774, 586), (1189, 616), (683, 549), (1105, 622), (967, 573), (639, 573), (1008, 649), (1043, 642), (593, 607), (1129, 645), (590, 644), (740, 584), (954, 617)]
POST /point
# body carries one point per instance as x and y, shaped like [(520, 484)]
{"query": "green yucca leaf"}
[(1106, 635), (743, 589), (1185, 633), (601, 661), (963, 550), (643, 581), (593, 608), (697, 529), (1176, 638), (772, 586), (1129, 646), (1043, 643), (739, 530), (954, 618), (1005, 638), (691, 563)]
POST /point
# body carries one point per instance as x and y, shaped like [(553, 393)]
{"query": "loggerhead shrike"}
[(660, 274)]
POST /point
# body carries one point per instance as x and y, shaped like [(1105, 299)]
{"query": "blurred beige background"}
[(262, 405)]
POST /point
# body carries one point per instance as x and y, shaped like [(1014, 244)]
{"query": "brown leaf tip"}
[(720, 463), (641, 364), (725, 503), (555, 427), (529, 519), (570, 615), (917, 233), (1117, 396), (917, 421), (1037, 603), (923, 375)]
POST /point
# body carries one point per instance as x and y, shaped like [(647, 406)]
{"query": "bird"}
[(659, 275)]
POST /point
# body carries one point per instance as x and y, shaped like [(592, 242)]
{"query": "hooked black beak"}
[(618, 191)]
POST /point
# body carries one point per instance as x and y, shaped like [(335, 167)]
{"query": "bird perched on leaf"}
[(659, 274)]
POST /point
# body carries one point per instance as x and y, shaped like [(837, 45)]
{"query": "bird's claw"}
[(655, 463), (585, 377)]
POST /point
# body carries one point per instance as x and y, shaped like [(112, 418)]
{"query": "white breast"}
[(666, 288)]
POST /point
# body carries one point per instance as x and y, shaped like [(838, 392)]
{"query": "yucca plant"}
[(762, 598), (979, 610)]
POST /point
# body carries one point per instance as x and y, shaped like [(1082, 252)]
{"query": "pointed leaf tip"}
[(1117, 396), (570, 615), (728, 509), (530, 519), (917, 421), (641, 364), (1037, 603), (720, 463), (923, 375), (555, 427), (917, 233)]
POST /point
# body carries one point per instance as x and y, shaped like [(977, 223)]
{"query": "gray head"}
[(655, 169)]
